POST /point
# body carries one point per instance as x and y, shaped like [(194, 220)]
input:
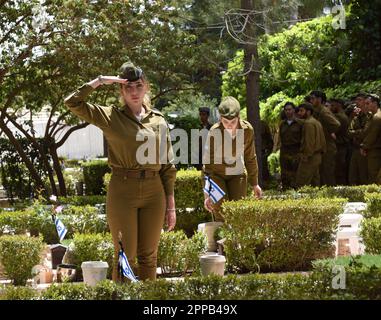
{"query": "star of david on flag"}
[(213, 190), (124, 267)]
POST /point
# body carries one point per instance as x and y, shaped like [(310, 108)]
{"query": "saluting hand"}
[(106, 80)]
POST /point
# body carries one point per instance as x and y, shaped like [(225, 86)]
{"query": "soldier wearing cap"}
[(140, 195), (313, 145), (230, 159), (358, 166), (371, 145)]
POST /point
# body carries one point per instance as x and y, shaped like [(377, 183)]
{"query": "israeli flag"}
[(61, 229), (213, 190), (125, 268)]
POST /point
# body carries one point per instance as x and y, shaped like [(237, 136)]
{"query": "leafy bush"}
[(189, 221), (92, 247), (373, 200), (279, 235), (93, 172), (82, 200), (274, 162), (68, 291), (19, 254), (188, 190), (14, 222), (177, 254), (17, 293), (371, 235)]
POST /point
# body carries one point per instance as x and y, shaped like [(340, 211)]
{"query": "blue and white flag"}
[(125, 268), (213, 190), (61, 229)]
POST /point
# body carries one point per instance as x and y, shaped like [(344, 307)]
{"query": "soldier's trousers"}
[(342, 165), (288, 167), (327, 168), (374, 165), (358, 168), (136, 207), (235, 188), (308, 171)]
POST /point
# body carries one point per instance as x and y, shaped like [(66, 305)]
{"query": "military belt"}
[(135, 174)]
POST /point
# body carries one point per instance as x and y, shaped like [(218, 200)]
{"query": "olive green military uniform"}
[(217, 167), (342, 144), (136, 199), (328, 163), (372, 144), (358, 166), (267, 148), (290, 133), (313, 145)]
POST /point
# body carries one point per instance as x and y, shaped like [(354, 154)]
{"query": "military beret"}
[(130, 72), (229, 108)]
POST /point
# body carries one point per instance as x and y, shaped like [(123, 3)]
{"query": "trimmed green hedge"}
[(18, 255), (279, 235), (93, 172), (361, 282), (371, 235), (373, 201), (178, 255)]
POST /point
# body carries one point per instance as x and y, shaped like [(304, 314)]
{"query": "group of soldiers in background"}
[(331, 142)]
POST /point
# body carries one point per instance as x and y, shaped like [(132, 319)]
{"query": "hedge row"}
[(360, 283), (279, 235)]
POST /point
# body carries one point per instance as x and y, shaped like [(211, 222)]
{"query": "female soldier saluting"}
[(139, 194), (230, 149)]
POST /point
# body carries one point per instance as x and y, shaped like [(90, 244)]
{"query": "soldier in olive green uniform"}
[(371, 146), (342, 141), (358, 166), (140, 194), (313, 145), (290, 133), (330, 126), (229, 150)]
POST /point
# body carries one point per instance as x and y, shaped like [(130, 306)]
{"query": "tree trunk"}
[(251, 69), (57, 168)]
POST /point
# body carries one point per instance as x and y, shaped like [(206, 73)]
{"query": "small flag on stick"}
[(123, 265), (213, 190)]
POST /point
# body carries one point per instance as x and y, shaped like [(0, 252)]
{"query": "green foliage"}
[(366, 260), (373, 201), (93, 172), (178, 255), (279, 235), (19, 254), (371, 235), (68, 291), (188, 190), (274, 162), (352, 193), (188, 221), (14, 175), (93, 247), (17, 293), (14, 222), (83, 200), (348, 90)]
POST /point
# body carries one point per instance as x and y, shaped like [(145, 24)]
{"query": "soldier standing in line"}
[(313, 145), (290, 134), (342, 141), (330, 126), (371, 146), (358, 166)]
